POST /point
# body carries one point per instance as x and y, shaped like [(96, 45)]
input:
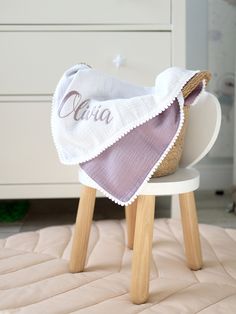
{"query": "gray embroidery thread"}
[(81, 110)]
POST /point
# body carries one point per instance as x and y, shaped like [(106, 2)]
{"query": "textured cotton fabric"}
[(117, 132), (35, 279)]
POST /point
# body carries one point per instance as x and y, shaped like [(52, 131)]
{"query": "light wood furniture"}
[(39, 41), (142, 248), (200, 137), (130, 215)]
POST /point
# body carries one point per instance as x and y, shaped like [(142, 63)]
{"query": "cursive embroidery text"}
[(72, 104)]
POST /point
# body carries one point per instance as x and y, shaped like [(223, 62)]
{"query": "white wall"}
[(196, 34), (216, 173)]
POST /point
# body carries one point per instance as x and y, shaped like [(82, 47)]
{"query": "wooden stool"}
[(140, 214)]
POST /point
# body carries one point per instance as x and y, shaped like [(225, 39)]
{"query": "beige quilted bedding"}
[(34, 275)]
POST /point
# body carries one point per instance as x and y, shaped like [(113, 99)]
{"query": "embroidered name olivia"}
[(72, 104)]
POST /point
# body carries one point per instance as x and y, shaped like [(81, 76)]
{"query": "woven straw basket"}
[(170, 163)]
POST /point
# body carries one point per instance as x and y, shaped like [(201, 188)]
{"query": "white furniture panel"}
[(38, 60), (39, 41), (28, 154), (85, 12)]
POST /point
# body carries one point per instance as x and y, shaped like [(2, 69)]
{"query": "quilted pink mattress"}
[(34, 275)]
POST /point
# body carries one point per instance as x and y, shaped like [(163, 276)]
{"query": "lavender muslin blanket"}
[(118, 133)]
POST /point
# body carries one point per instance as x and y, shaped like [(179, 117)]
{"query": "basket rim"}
[(195, 81)]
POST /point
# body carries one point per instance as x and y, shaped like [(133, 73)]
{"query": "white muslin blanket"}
[(118, 133)]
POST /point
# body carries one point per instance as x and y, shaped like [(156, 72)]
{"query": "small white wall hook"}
[(119, 61)]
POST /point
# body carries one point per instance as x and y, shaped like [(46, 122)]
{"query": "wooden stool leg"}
[(82, 229), (130, 214), (142, 249), (190, 230)]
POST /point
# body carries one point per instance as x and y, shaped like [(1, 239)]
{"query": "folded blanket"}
[(117, 132)]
